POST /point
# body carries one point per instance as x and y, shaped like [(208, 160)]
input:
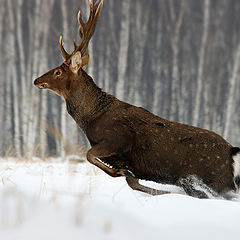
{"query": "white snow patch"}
[(77, 201)]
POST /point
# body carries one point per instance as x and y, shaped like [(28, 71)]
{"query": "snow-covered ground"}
[(76, 201)]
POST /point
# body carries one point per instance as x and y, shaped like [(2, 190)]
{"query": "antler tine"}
[(96, 4), (86, 30), (81, 25), (64, 52), (75, 44), (80, 21), (91, 4), (92, 25)]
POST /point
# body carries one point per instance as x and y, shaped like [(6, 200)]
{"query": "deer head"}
[(62, 79)]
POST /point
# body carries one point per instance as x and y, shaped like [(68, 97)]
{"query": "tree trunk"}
[(13, 78), (175, 87), (200, 80), (123, 49), (231, 96)]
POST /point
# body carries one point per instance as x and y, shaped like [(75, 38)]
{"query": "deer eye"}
[(58, 72)]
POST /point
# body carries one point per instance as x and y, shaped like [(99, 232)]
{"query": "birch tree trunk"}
[(231, 96), (22, 77), (63, 106), (107, 77), (13, 78), (200, 80), (139, 26), (2, 10), (32, 70), (157, 69), (46, 16), (2, 72), (90, 68), (174, 115), (123, 49)]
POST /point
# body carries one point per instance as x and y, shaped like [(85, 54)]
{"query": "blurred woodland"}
[(179, 59)]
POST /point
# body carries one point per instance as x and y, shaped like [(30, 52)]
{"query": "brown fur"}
[(131, 138), (130, 141)]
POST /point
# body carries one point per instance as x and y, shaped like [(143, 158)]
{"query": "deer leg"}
[(196, 188), (134, 184), (99, 151)]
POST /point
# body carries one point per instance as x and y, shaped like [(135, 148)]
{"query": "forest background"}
[(179, 59)]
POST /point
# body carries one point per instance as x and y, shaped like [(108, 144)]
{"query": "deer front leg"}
[(99, 151), (134, 184)]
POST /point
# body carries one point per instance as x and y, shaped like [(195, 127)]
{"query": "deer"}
[(131, 142)]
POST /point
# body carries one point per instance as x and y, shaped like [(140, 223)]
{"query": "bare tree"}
[(123, 48), (176, 26), (13, 78), (139, 25), (200, 80), (231, 96)]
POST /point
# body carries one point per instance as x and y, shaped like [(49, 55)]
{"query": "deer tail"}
[(235, 153)]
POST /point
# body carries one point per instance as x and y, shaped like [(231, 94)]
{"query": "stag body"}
[(132, 142)]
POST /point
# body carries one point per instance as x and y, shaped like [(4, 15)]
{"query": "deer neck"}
[(85, 100)]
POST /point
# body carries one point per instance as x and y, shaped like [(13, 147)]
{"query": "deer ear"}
[(85, 60), (76, 62)]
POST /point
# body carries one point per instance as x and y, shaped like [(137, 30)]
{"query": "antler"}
[(85, 30), (64, 52)]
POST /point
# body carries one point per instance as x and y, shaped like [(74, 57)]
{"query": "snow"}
[(54, 200)]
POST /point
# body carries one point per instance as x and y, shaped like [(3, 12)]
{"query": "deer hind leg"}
[(99, 151), (196, 188), (134, 184)]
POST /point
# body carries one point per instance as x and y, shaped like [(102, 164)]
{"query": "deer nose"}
[(35, 82), (40, 84)]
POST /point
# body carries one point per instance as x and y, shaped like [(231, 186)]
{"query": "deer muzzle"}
[(40, 84)]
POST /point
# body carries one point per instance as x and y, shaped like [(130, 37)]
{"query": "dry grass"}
[(64, 150)]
